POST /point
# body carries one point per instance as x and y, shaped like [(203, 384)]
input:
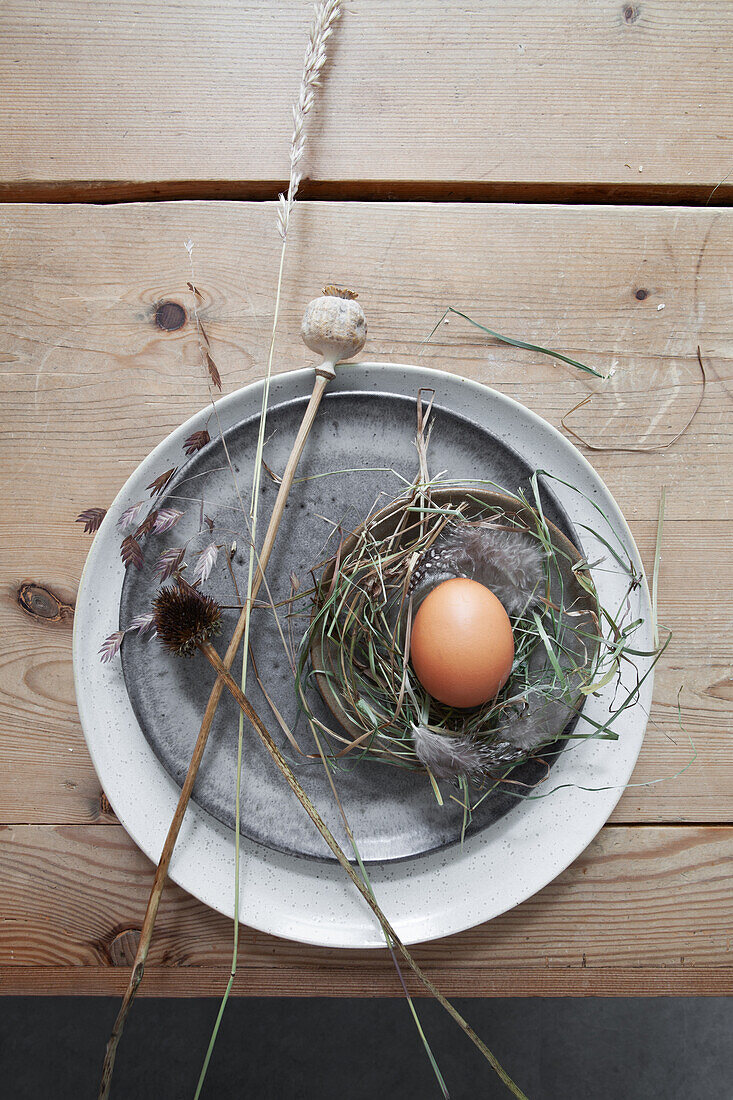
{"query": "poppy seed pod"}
[(334, 325)]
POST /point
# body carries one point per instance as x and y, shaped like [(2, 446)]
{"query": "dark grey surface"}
[(394, 813), (306, 1049)]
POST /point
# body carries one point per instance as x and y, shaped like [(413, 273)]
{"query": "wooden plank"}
[(91, 384), (82, 285), (378, 981), (652, 902), (47, 775), (558, 100)]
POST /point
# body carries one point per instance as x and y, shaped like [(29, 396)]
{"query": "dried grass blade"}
[(657, 560), (630, 448), (334, 846), (326, 13), (515, 343)]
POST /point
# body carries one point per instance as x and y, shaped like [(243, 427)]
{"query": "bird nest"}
[(357, 644)]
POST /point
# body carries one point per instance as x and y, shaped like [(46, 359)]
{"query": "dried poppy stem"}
[(334, 326), (185, 621)]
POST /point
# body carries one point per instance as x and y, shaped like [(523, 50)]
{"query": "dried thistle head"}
[(185, 618)]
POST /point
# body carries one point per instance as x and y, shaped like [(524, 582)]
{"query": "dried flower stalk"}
[(246, 707), (185, 620), (326, 13)]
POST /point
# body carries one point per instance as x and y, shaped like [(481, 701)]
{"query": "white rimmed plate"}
[(428, 896)]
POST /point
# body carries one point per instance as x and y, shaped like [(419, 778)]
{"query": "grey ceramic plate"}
[(394, 813), (432, 895)]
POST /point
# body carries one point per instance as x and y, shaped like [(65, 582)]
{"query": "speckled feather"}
[(507, 562), (447, 757)]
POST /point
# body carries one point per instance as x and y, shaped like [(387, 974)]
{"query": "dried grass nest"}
[(356, 647)]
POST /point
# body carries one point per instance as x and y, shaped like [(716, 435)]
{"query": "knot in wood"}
[(170, 316), (41, 603), (105, 806), (123, 947)]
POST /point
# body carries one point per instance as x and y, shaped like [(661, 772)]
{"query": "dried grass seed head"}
[(185, 618), (325, 15)]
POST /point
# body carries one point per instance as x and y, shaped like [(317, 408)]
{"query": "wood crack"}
[(110, 192)]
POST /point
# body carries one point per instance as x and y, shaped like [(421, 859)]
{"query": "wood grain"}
[(560, 100), (376, 981), (92, 383), (96, 368), (644, 908)]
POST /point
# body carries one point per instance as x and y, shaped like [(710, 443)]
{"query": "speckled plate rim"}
[(430, 896)]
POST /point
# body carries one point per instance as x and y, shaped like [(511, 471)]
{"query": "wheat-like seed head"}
[(325, 15)]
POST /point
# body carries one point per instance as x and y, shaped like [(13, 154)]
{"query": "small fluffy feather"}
[(514, 739), (507, 562), (449, 757), (536, 725), (446, 757)]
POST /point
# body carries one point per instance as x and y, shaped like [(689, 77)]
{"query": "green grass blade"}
[(657, 559), (517, 343)]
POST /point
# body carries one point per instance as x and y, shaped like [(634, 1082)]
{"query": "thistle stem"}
[(146, 933), (226, 680)]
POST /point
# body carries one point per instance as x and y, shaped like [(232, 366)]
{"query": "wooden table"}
[(577, 159)]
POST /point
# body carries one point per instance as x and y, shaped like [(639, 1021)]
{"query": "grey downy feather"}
[(515, 739), (508, 562), (447, 757), (450, 757)]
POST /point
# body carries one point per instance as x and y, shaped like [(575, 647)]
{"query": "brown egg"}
[(462, 646)]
